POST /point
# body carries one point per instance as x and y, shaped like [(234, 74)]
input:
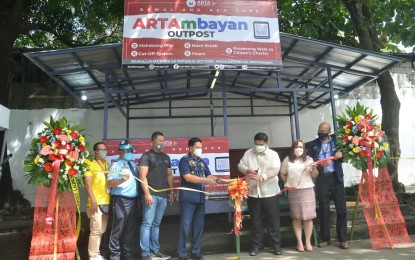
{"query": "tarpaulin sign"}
[(201, 35)]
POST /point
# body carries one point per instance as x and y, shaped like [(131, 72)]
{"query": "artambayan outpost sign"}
[(201, 35)]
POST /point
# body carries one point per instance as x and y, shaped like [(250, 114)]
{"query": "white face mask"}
[(298, 152), (198, 152), (260, 148)]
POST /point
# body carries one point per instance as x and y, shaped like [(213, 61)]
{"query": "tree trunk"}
[(390, 124), (10, 26), (389, 101)]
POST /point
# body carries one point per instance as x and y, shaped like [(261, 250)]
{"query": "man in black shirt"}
[(155, 171)]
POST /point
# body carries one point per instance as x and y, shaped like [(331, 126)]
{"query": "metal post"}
[(105, 135), (224, 106), (332, 101), (212, 128), (290, 103), (127, 134), (297, 120)]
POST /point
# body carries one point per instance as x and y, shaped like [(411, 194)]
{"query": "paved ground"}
[(360, 249)]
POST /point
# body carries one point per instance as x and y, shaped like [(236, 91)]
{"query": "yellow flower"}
[(357, 119), (356, 149), (43, 145), (81, 139), (385, 145), (87, 161), (379, 126), (68, 131), (347, 131), (36, 160)]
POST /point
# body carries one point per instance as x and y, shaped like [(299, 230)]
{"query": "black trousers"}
[(268, 208), (124, 223), (329, 187)]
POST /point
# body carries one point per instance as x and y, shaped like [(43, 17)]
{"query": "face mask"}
[(198, 152), (128, 156), (322, 136), (160, 146), (298, 152), (102, 154), (260, 148)]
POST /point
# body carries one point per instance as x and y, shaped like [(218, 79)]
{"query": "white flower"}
[(50, 175)]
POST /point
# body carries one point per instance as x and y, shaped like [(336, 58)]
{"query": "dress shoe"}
[(344, 245), (323, 244), (277, 251), (300, 248), (254, 252), (196, 256), (309, 249)]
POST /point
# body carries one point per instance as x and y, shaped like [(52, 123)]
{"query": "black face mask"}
[(322, 136)]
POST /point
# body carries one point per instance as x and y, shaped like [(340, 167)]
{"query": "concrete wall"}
[(25, 124)]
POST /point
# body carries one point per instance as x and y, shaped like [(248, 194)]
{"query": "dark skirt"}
[(302, 203)]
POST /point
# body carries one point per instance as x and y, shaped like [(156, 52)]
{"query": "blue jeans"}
[(192, 216), (150, 227)]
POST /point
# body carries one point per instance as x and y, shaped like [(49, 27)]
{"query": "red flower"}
[(345, 138), (48, 167), (349, 124), (360, 127), (74, 134), (369, 127), (57, 144), (57, 131), (82, 148), (367, 116), (43, 139), (70, 163), (54, 157), (362, 153), (380, 154), (362, 142), (72, 172)]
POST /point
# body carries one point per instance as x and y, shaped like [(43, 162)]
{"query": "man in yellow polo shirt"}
[(98, 199)]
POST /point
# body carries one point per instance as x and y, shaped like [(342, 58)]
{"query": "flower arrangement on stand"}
[(238, 191), (364, 144), (357, 129), (56, 161), (58, 141)]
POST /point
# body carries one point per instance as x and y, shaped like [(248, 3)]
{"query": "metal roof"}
[(312, 71)]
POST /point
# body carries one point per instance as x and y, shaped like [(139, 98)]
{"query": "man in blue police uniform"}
[(194, 174), (124, 197), (329, 184)]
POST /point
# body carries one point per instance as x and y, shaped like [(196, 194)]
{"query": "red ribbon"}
[(52, 192), (370, 178)]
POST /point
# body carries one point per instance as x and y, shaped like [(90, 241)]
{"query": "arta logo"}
[(191, 3)]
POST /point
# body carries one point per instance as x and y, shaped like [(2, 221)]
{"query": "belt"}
[(328, 173)]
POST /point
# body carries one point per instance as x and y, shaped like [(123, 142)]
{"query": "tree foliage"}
[(390, 22), (71, 23)]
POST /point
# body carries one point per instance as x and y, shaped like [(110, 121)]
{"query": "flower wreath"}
[(57, 141), (358, 128)]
